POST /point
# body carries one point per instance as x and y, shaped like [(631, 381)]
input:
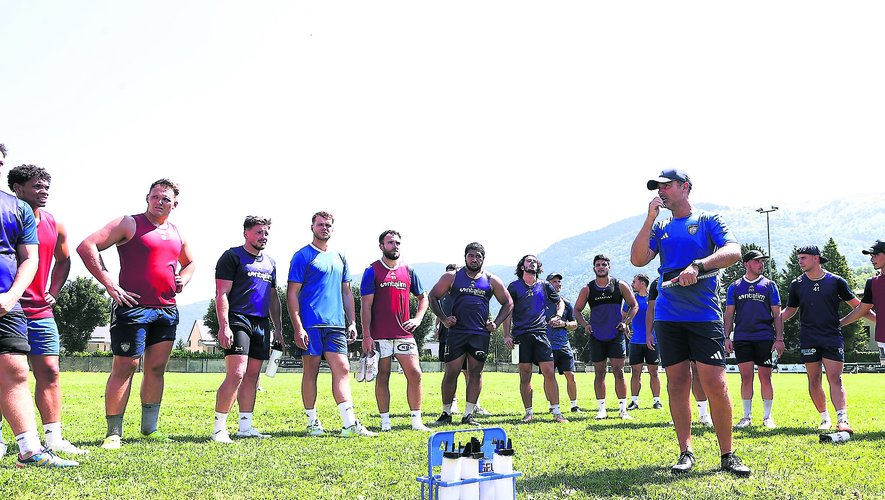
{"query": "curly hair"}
[(23, 173), (255, 220), (325, 215), (3, 149), (519, 269)]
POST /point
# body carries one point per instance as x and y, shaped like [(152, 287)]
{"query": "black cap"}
[(553, 275), (753, 255), (811, 250), (878, 247), (667, 175)]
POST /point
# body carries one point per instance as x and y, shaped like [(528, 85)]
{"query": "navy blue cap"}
[(667, 175), (811, 250)]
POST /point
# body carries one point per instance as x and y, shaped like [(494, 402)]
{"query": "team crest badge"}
[(125, 346), (693, 229)]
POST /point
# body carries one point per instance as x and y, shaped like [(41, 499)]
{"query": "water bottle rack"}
[(431, 482)]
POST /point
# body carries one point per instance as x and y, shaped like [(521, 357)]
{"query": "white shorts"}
[(388, 347)]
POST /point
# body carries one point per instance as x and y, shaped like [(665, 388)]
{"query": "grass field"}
[(581, 459)]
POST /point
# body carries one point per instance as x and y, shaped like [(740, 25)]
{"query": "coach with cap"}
[(688, 318)]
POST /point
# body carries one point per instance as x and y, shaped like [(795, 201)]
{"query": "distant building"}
[(100, 340), (201, 340)]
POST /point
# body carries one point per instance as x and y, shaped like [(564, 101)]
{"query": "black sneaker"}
[(577, 409), (469, 419), (657, 405), (445, 418), (731, 463), (633, 406), (685, 463)]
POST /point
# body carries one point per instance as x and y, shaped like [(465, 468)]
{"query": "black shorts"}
[(443, 334), (14, 333), (564, 360), (600, 350), (135, 328), (640, 353), (756, 351), (534, 347), (816, 353), (702, 342), (251, 336), (476, 345)]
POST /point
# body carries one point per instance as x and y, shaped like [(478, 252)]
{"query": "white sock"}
[(702, 408), (416, 418), (636, 399), (52, 433), (311, 415), (555, 409), (574, 403), (601, 403), (385, 418), (825, 415), (469, 408), (245, 420), (748, 407), (346, 411), (447, 409), (766, 408), (656, 399), (28, 443), (529, 411), (220, 422), (842, 415), (622, 404)]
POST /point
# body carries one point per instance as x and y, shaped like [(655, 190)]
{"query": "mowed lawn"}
[(581, 459)]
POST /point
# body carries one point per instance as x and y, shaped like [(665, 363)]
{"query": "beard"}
[(473, 267), (393, 255), (321, 237)]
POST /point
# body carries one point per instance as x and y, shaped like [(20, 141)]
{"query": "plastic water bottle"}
[(503, 464), (836, 437), (451, 471), (486, 488), (273, 363), (470, 469)]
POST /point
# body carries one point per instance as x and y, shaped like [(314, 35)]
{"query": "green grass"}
[(581, 459)]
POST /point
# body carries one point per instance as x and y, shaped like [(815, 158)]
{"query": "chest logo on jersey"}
[(816, 288), (399, 285), (693, 229)]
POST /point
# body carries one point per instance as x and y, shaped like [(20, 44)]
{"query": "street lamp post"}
[(766, 211)]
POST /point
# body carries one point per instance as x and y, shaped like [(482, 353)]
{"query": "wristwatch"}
[(699, 264)]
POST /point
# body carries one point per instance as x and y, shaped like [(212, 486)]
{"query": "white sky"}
[(512, 123)]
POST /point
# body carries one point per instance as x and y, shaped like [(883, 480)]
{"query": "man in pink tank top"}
[(144, 316), (31, 185)]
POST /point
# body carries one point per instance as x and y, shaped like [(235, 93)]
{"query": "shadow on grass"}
[(607, 483)]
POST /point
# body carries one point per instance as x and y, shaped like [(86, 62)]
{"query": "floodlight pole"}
[(767, 211)]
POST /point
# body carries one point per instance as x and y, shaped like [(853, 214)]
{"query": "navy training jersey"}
[(530, 306), (752, 301), (470, 302), (253, 277), (559, 336), (818, 303), (605, 309)]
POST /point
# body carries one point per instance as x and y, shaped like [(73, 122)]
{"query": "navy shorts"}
[(135, 328), (600, 350), (14, 333), (534, 347), (564, 360), (640, 353), (755, 351), (251, 336), (817, 353), (702, 342), (475, 345), (321, 340)]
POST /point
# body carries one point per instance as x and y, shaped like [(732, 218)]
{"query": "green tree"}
[(855, 339), (784, 278), (735, 271), (210, 319), (81, 307)]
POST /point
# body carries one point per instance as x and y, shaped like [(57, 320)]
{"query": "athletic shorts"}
[(442, 349), (43, 337), (702, 342), (476, 345), (600, 350), (322, 339), (564, 360), (757, 351), (640, 353), (251, 336), (534, 347), (135, 328), (400, 347), (14, 333), (815, 354)]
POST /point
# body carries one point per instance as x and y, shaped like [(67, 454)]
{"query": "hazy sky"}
[(512, 123)]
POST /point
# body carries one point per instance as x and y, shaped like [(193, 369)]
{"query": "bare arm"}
[(222, 308), (579, 309), (186, 259), (349, 311), (439, 290), (292, 291), (728, 320), (276, 316), (415, 322), (778, 330), (366, 302), (116, 232), (627, 293), (650, 324), (640, 253), (27, 256), (788, 313), (504, 299), (62, 267)]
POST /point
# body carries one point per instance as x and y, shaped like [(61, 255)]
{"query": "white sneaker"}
[(66, 446), (769, 423), (3, 448), (386, 426), (825, 424), (315, 429), (421, 427), (252, 432), (706, 420), (601, 414), (624, 415), (745, 422), (361, 369), (479, 410), (371, 367), (112, 442), (222, 436), (357, 429), (455, 408)]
